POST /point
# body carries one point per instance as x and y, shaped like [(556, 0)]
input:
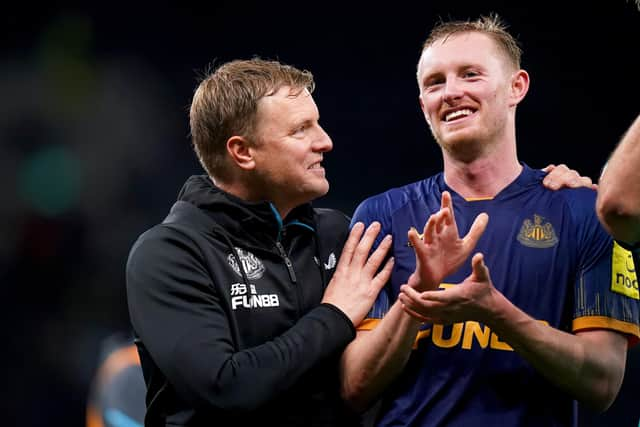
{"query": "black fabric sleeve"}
[(179, 317)]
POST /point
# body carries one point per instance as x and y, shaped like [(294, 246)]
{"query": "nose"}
[(452, 91), (322, 142)]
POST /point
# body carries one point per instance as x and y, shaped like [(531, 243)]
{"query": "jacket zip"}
[(287, 261)]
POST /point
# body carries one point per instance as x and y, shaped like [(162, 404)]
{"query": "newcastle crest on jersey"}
[(251, 264), (537, 233)]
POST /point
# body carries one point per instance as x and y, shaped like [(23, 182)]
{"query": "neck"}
[(484, 176), (252, 193)]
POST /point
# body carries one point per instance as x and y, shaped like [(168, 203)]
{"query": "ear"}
[(240, 151), (519, 86)]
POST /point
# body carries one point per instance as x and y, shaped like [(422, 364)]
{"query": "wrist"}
[(495, 312), (425, 284), (407, 318)]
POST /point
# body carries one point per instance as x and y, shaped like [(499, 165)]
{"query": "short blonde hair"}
[(491, 25)]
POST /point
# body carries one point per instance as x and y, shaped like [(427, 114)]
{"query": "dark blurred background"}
[(94, 142)]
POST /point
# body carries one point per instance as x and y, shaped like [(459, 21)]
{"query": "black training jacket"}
[(224, 298)]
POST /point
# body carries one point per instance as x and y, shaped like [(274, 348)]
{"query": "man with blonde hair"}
[(449, 344)]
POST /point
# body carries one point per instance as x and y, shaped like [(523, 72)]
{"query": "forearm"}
[(589, 366), (213, 374), (207, 358), (618, 203), (375, 358)]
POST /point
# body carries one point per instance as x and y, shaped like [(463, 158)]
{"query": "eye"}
[(432, 83), (470, 74), (300, 130)]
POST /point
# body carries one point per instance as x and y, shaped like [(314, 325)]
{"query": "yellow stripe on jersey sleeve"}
[(602, 322)]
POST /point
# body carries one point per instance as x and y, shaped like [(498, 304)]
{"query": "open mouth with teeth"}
[(458, 114)]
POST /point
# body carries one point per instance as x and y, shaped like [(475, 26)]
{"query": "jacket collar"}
[(236, 215)]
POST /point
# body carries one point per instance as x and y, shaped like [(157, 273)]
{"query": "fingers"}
[(585, 181), (421, 317), (350, 246), (447, 204), (479, 269), (413, 304), (420, 250), (554, 176), (414, 238), (549, 168), (409, 292), (435, 224), (442, 219), (415, 314), (573, 180), (363, 248), (475, 232), (383, 275), (437, 221), (562, 176), (376, 258), (429, 229)]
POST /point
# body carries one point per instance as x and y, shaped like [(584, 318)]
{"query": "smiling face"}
[(466, 93), (289, 149)]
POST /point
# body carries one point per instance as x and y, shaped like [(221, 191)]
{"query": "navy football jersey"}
[(548, 254)]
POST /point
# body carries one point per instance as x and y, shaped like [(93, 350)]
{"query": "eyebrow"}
[(460, 68)]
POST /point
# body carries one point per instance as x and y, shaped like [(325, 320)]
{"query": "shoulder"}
[(161, 246), (181, 227), (330, 217), (396, 198), (576, 206), (580, 202), (331, 224), (158, 235), (581, 199)]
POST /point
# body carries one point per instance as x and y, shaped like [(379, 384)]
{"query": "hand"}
[(355, 284), (441, 251), (562, 177), (470, 300)]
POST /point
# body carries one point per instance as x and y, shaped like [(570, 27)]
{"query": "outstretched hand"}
[(357, 281), (441, 251), (469, 300)]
